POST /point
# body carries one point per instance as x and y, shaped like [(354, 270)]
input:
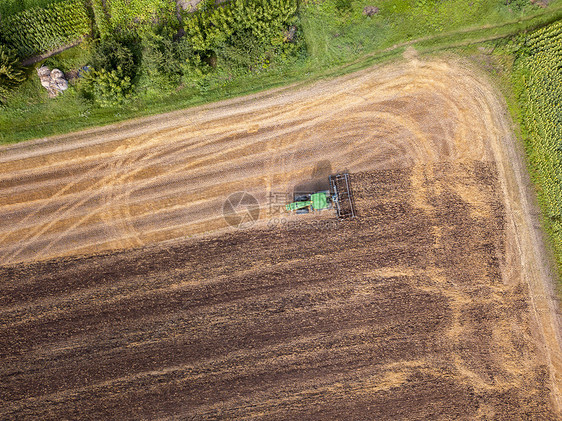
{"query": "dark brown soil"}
[(401, 313)]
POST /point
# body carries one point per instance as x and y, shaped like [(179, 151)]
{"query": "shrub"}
[(242, 51), (115, 63), (11, 72), (115, 52), (162, 57), (109, 88)]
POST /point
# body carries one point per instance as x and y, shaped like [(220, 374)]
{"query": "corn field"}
[(540, 74), (37, 30)]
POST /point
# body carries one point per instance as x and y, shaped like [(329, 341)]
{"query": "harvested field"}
[(143, 182), (436, 303)]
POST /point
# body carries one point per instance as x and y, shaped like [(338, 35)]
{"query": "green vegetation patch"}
[(38, 30), (538, 83), (138, 14), (10, 7), (239, 47), (246, 34), (11, 72)]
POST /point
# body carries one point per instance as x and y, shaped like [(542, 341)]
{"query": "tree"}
[(115, 62), (109, 88), (117, 52), (12, 72), (161, 58)]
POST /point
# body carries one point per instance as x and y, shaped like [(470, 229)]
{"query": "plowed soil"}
[(400, 314), (436, 303)]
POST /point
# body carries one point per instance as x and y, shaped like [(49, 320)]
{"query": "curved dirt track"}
[(167, 176)]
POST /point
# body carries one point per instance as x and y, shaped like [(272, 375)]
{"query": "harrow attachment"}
[(340, 190)]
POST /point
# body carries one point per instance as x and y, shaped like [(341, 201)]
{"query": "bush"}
[(11, 71), (161, 57), (115, 62), (116, 52), (109, 88), (343, 5), (242, 51)]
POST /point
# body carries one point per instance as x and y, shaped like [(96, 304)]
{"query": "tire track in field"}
[(107, 185), (261, 138), (288, 321)]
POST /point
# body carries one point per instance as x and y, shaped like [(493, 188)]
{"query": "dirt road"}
[(167, 177)]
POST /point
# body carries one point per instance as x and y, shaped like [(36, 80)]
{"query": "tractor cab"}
[(305, 203)]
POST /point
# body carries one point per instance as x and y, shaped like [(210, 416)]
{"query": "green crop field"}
[(37, 30), (138, 15), (10, 7), (538, 84), (139, 12)]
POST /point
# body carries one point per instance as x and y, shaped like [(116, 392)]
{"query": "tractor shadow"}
[(318, 180)]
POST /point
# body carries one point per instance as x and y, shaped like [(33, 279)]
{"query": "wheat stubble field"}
[(436, 303)]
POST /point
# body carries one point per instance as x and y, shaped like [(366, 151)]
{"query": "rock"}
[(370, 10), (60, 85), (43, 71), (56, 74), (44, 76), (52, 80)]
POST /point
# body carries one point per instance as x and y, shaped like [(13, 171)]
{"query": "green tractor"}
[(339, 198), (305, 203)]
